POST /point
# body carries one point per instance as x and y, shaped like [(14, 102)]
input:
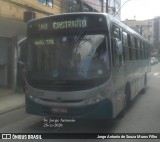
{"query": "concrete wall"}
[(10, 28)]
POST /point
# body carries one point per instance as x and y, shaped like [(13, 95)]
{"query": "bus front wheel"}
[(123, 111), (126, 100)]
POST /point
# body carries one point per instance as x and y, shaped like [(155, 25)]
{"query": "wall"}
[(14, 9)]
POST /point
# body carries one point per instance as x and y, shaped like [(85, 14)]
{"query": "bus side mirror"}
[(119, 48), (22, 52)]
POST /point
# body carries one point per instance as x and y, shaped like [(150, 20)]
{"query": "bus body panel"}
[(46, 103)]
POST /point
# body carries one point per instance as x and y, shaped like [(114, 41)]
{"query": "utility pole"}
[(102, 5), (106, 6)]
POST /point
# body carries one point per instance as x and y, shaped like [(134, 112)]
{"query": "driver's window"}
[(116, 32)]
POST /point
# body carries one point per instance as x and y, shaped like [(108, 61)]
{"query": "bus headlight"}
[(95, 99), (33, 98)]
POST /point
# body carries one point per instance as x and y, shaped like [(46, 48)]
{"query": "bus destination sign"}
[(41, 42), (62, 25), (70, 24), (67, 22)]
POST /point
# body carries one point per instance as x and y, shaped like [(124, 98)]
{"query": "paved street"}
[(142, 117)]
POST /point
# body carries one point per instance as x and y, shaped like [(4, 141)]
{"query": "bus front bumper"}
[(101, 110)]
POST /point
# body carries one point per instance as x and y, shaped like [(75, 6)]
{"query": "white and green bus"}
[(83, 65)]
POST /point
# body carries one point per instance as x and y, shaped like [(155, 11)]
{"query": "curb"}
[(5, 93), (9, 109)]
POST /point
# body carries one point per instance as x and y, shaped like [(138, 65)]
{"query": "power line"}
[(67, 5), (91, 4), (83, 1)]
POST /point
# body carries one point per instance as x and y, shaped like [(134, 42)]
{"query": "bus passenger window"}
[(130, 47), (116, 59), (138, 50), (133, 48), (126, 53)]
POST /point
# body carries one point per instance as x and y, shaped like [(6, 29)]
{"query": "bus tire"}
[(123, 111), (145, 84), (128, 95), (126, 101)]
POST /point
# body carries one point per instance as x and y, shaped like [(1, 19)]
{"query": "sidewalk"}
[(10, 101)]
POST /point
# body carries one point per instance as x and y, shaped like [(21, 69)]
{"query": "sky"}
[(140, 9)]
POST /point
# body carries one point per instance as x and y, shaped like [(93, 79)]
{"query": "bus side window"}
[(130, 47), (141, 50), (116, 59), (133, 47), (126, 46), (136, 49)]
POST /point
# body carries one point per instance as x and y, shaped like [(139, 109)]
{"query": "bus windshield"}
[(68, 57)]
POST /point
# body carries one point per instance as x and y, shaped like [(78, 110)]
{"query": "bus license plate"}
[(59, 110)]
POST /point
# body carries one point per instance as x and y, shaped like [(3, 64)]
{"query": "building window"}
[(85, 8), (73, 6), (48, 3)]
